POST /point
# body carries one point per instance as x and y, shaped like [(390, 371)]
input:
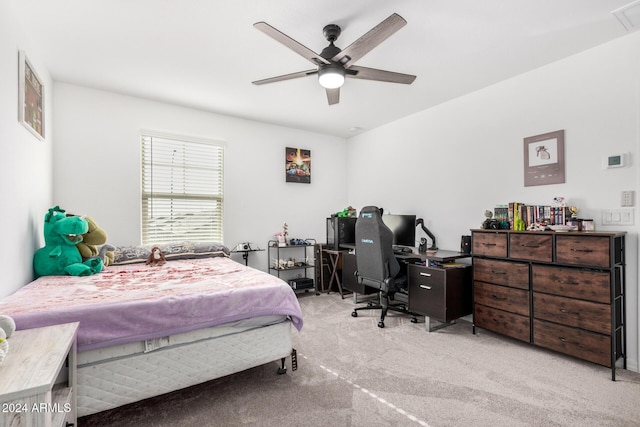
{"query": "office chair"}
[(377, 266)]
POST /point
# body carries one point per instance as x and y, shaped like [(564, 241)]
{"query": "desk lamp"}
[(423, 241)]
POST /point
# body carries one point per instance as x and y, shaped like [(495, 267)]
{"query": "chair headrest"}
[(370, 212)]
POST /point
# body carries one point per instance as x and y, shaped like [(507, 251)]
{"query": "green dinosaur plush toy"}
[(60, 256)]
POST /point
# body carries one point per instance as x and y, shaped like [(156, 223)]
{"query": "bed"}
[(146, 331)]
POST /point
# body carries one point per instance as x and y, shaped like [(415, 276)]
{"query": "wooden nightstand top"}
[(35, 359)]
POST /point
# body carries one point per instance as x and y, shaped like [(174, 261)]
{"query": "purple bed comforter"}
[(136, 302)]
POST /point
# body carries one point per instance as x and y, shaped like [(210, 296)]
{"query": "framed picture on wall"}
[(544, 159), (30, 98), (297, 165)]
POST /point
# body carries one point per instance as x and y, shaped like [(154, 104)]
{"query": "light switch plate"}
[(622, 216)]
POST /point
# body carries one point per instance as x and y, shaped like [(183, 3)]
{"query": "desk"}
[(443, 294), (334, 259)]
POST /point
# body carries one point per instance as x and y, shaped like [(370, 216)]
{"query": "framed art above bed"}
[(30, 97)]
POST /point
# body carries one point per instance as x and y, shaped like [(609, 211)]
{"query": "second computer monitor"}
[(403, 227)]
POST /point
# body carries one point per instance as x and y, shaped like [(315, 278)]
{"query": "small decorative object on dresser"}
[(562, 291)]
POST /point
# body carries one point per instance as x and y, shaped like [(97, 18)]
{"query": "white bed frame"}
[(116, 376)]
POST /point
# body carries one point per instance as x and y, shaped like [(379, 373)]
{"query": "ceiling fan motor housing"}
[(331, 32)]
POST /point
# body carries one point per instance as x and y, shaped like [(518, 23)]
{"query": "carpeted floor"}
[(352, 373)]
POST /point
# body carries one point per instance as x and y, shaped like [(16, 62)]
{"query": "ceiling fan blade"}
[(380, 75), (300, 49), (285, 77), (371, 39), (333, 96)]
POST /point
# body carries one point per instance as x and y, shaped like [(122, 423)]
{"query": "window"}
[(182, 189)]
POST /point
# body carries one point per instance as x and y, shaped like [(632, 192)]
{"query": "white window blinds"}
[(182, 189)]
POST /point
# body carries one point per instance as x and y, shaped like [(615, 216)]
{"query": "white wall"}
[(25, 163), (452, 162), (97, 167)]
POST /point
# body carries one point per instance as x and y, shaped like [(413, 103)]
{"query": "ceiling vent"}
[(629, 15)]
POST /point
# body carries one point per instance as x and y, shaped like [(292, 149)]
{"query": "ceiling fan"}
[(334, 64)]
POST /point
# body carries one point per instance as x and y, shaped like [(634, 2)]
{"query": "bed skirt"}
[(124, 376)]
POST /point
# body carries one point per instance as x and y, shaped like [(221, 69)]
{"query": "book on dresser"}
[(530, 214), (563, 291)]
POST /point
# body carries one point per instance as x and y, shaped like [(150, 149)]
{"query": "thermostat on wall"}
[(615, 161)]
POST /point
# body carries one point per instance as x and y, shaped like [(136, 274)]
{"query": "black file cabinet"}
[(443, 294)]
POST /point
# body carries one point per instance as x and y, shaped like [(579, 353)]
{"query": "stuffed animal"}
[(60, 256), (7, 328), (94, 238), (4, 345), (156, 257)]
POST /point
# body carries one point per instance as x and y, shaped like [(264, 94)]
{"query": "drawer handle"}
[(524, 245), (497, 297), (582, 250), (563, 339), (425, 274), (568, 282), (428, 288), (499, 272), (562, 310), (490, 244)]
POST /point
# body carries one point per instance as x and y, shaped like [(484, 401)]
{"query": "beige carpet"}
[(352, 373)]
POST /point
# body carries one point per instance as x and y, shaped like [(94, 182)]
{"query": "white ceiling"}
[(204, 54)]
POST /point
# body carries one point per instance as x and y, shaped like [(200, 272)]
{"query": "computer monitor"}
[(403, 228)]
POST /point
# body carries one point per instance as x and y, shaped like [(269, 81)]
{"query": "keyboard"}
[(400, 250)]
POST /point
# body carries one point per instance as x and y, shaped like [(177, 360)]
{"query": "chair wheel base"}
[(354, 313), (414, 320), (381, 324)]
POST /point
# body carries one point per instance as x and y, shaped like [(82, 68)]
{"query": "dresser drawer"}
[(505, 273), (490, 244), (502, 322), (501, 297), (571, 312), (532, 247), (427, 292), (589, 346), (592, 251), (571, 282)]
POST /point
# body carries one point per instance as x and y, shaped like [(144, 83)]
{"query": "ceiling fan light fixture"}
[(331, 76)]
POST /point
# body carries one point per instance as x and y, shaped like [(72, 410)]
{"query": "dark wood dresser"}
[(563, 291)]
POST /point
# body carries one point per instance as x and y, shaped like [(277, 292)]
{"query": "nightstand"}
[(38, 378)]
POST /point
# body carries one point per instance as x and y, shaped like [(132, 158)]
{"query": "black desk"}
[(441, 256), (441, 293)]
